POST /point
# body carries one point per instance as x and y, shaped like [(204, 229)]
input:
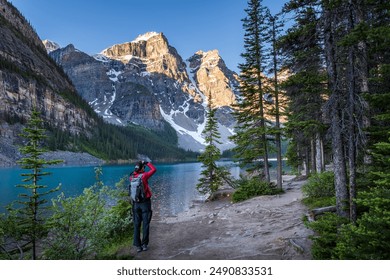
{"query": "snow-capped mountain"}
[(50, 45), (146, 82)]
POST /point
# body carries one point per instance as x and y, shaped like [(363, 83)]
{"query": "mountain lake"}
[(173, 185)]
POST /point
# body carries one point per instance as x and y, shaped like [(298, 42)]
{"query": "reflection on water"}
[(173, 185)]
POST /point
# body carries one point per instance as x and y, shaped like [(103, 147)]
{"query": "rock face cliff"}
[(147, 82), (213, 78), (29, 78)]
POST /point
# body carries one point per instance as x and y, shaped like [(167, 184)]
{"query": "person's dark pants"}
[(142, 213)]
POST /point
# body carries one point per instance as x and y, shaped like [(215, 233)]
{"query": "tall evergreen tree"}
[(305, 86), (377, 32), (251, 132), (275, 28), (357, 84), (346, 56), (31, 215), (212, 176)]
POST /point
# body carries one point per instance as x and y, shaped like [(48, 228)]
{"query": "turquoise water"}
[(173, 185)]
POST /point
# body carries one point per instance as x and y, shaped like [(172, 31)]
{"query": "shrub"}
[(326, 238), (320, 185), (319, 190), (83, 227), (252, 187), (369, 238), (2, 239)]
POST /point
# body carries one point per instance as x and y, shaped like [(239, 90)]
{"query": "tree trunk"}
[(339, 167), (277, 112), (307, 161), (313, 156), (352, 139), (331, 21), (279, 171), (319, 154), (263, 127), (362, 62)]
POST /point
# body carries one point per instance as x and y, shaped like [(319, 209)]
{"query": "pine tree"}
[(378, 34), (305, 87), (275, 29), (31, 215), (212, 175), (345, 39), (251, 132)]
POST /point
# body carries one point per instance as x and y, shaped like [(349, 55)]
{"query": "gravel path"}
[(264, 228)]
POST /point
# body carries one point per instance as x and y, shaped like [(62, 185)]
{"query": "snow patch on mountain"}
[(180, 123), (101, 57), (113, 76), (103, 107), (190, 73), (145, 37)]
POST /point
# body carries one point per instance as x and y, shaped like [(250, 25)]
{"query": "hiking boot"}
[(144, 247), (139, 249)]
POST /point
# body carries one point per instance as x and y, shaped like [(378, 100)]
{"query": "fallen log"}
[(312, 215)]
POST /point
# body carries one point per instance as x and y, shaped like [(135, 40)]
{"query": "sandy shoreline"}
[(264, 228)]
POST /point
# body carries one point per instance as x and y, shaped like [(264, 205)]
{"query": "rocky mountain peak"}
[(150, 53), (50, 45), (213, 78), (209, 58), (145, 46), (146, 36)]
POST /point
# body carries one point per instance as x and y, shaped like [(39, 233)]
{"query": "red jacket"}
[(146, 175)]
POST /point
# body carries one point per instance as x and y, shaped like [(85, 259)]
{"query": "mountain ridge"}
[(169, 88)]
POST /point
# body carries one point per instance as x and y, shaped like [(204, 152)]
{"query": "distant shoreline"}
[(69, 159), (78, 159)]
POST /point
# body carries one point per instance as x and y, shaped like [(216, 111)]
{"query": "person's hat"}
[(138, 166)]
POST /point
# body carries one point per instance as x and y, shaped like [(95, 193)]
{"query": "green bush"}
[(320, 185), (369, 238), (318, 202), (251, 187), (319, 190), (2, 239), (84, 227), (326, 237)]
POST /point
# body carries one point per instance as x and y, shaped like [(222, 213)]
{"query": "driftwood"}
[(312, 215)]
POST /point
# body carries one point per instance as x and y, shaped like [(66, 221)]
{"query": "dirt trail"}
[(268, 227)]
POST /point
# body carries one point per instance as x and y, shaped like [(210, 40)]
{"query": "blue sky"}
[(189, 25)]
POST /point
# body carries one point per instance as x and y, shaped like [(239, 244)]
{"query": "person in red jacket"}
[(142, 211)]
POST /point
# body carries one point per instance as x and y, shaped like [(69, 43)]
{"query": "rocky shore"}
[(9, 155), (72, 158)]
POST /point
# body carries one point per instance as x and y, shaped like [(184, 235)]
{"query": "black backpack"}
[(136, 189)]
